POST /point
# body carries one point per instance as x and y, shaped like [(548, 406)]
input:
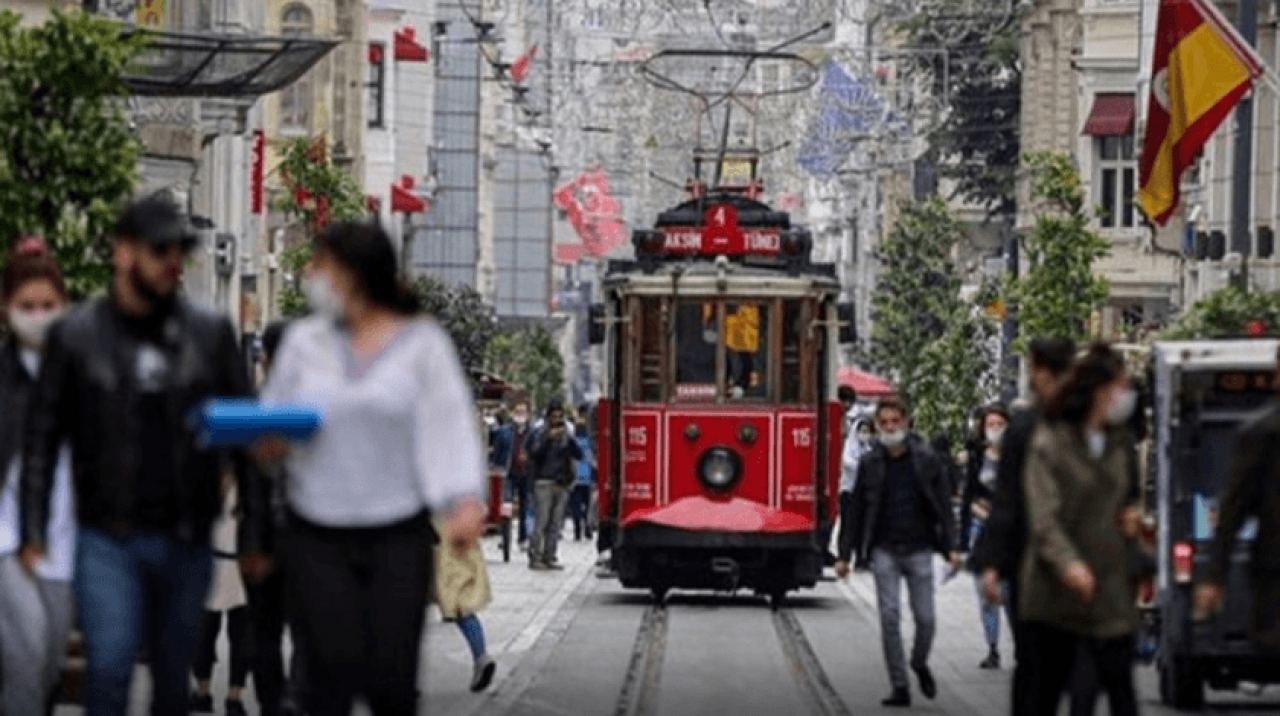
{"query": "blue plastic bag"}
[(240, 423)]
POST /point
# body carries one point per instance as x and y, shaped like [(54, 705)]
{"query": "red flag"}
[(1199, 72), (520, 68)]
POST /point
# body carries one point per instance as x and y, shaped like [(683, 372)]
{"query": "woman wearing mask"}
[(397, 446), (35, 613), (975, 506), (1081, 482)]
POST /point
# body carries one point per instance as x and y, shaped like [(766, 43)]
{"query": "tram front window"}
[(697, 338), (743, 331)]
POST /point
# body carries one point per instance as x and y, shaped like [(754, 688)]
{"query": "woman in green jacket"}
[(1078, 583)]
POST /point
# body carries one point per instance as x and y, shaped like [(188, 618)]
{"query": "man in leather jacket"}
[(900, 516), (121, 374)]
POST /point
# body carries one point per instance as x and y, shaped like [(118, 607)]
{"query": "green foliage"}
[(1058, 290), (463, 313), (1227, 313), (68, 158), (978, 70), (317, 193), (934, 345), (528, 358)]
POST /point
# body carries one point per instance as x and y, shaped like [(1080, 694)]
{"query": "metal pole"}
[(1242, 179)]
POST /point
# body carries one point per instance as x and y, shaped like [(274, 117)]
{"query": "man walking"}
[(518, 469), (997, 554), (121, 375), (552, 451), (901, 515)]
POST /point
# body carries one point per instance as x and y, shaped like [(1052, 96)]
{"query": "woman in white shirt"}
[(397, 446), (35, 609)]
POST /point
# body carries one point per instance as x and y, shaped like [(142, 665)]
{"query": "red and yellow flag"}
[(1199, 72)]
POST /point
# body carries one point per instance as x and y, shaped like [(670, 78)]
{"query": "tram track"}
[(640, 691)]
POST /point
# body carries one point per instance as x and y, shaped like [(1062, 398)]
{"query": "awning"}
[(403, 198), (866, 384), (180, 65), (1112, 116), (407, 47)]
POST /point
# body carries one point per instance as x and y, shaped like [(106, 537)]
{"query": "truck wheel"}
[(1181, 685)]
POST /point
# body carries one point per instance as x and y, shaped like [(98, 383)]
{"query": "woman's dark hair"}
[(846, 393), (30, 260), (271, 337), (366, 250), (1098, 367), (1055, 354), (980, 426)]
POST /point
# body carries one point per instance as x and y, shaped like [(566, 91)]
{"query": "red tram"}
[(719, 437)]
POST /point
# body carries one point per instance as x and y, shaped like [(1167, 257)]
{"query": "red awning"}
[(1112, 116), (407, 47), (867, 385)]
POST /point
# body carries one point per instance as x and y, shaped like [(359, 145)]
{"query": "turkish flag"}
[(1199, 72)]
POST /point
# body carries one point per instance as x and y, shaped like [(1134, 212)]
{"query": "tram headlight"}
[(719, 469)]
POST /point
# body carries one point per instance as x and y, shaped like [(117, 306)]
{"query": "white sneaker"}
[(482, 673)]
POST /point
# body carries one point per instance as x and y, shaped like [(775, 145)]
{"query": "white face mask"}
[(322, 297), (1123, 403), (864, 437), (31, 327), (893, 440), (995, 435)]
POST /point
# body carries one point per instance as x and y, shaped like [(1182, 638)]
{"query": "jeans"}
[(550, 501), (1052, 656), (580, 509), (144, 584), (358, 601), (524, 509), (891, 566)]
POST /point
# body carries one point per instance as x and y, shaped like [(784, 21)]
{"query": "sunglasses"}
[(175, 249)]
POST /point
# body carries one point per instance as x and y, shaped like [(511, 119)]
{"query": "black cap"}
[(155, 221)]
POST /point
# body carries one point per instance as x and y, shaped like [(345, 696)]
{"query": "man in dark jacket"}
[(997, 554), (518, 470), (901, 515), (552, 451), (120, 377), (1254, 491)]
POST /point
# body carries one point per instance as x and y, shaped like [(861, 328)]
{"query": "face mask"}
[(893, 440), (1122, 406), (322, 297), (31, 327), (864, 438), (995, 435)]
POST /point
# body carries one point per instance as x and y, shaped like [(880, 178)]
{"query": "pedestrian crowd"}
[(116, 516), (1043, 506)]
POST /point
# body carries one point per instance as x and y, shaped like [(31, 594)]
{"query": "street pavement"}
[(563, 640)]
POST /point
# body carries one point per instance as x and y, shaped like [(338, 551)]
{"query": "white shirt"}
[(398, 434), (849, 461)]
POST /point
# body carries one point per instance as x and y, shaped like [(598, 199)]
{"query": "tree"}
[(933, 344), (68, 157), (1230, 312), (317, 193), (1058, 292), (977, 67), (463, 312), (529, 359)]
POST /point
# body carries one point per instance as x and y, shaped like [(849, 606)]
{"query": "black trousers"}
[(358, 599), (240, 636), (1051, 655), (269, 616)]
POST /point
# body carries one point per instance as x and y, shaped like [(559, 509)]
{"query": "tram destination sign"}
[(720, 235)]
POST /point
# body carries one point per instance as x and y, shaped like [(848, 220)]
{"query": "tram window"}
[(653, 337), (697, 339), (793, 334), (746, 341)]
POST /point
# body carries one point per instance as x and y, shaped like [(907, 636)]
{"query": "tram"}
[(719, 435)]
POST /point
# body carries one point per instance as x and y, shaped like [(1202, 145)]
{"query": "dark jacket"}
[(972, 490), (1073, 504), (15, 393), (553, 460), (1254, 491), (501, 438), (1004, 538), (858, 532), (84, 395)]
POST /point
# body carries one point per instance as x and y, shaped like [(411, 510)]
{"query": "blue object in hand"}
[(240, 423)]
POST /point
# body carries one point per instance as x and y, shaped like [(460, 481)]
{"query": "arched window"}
[(296, 101)]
